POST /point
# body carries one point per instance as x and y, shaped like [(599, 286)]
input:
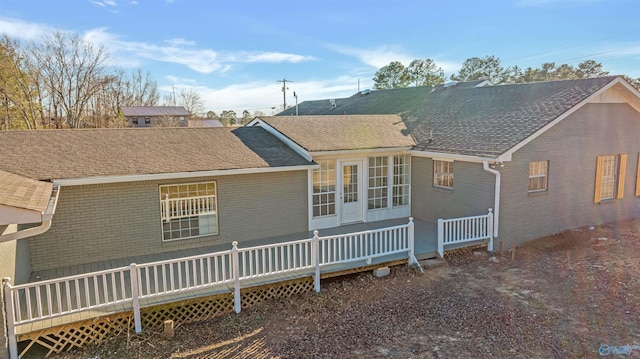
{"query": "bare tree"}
[(73, 72), (190, 100), (19, 91)]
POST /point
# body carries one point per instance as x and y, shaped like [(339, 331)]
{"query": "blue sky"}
[(233, 52)]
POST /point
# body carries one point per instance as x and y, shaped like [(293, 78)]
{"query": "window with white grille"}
[(443, 174), (538, 176), (188, 210), (324, 189), (609, 177), (378, 186), (401, 180)]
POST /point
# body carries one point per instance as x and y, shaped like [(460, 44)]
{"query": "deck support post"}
[(490, 225), (235, 261), (441, 237), (411, 231), (11, 327), (135, 296), (315, 258)]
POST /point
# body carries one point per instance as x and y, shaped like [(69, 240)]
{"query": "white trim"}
[(618, 80), (360, 152), (175, 175), (287, 141), (451, 156), (496, 198)]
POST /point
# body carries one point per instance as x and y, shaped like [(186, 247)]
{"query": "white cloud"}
[(275, 57), (22, 30), (180, 42), (377, 57)]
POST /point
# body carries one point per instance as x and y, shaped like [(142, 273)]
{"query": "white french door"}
[(351, 192)]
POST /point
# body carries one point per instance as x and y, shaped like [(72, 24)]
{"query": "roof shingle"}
[(343, 132), (151, 111), (477, 121), (20, 192), (64, 154)]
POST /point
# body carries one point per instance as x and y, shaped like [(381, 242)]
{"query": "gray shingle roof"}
[(20, 192), (151, 111), (62, 154), (477, 121), (340, 132)]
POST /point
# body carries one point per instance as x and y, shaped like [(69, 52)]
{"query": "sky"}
[(234, 52)]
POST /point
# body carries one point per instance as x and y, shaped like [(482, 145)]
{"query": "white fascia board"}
[(289, 142), (451, 157), (360, 152), (618, 80), (176, 175)]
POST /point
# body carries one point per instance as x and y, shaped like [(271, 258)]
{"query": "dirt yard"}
[(565, 296)]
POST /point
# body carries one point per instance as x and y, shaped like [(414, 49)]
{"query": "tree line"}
[(64, 81), (426, 73)]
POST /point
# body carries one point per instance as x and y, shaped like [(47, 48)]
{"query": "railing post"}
[(135, 296), (490, 224), (10, 320), (235, 262), (315, 257), (441, 237), (411, 241)]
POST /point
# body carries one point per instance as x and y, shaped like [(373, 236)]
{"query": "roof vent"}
[(450, 84), (433, 89), (333, 103), (365, 92)]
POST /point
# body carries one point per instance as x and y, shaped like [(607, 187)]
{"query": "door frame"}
[(340, 186)]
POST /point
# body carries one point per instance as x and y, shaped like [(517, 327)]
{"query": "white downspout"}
[(30, 232), (496, 204)]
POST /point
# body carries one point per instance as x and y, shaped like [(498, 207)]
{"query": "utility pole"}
[(296, 96), (284, 91)]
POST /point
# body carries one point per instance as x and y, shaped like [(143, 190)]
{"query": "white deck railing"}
[(173, 208), (466, 229), (122, 288)]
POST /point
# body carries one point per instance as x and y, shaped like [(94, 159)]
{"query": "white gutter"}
[(450, 156), (360, 151), (496, 204), (176, 175), (43, 227)]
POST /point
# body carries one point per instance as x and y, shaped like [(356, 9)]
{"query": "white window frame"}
[(401, 189), (609, 182), (378, 186), (322, 178), (441, 174), (538, 170), (188, 209)]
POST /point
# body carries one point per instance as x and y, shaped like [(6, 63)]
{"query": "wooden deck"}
[(425, 247)]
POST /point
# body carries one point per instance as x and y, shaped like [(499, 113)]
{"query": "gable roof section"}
[(464, 120), (68, 154), (151, 111), (24, 193), (343, 132)]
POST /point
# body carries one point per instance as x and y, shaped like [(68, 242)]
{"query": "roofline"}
[(282, 137), (363, 151), (506, 156), (176, 175), (453, 156)]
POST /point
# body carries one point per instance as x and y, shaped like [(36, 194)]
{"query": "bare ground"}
[(562, 296)]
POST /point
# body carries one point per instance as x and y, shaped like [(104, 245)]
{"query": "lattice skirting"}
[(80, 334), (461, 253)]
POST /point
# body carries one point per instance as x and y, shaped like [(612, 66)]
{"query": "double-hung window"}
[(538, 174), (389, 181), (443, 174), (610, 173), (324, 189), (188, 210)]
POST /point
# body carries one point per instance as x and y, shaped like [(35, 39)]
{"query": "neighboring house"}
[(546, 156), (148, 116), (205, 122)]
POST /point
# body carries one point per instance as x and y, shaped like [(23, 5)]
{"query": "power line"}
[(284, 91)]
